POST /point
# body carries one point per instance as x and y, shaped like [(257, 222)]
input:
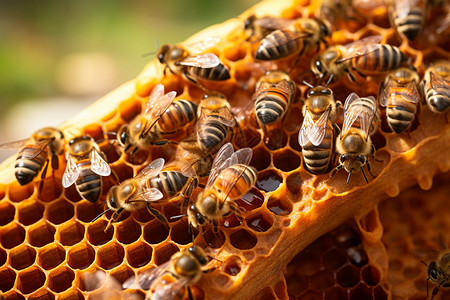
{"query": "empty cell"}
[(379, 293), (164, 252), (122, 273), (142, 215), (180, 232), (80, 256), (251, 200), (96, 235), (30, 279), (139, 254), (13, 295), (7, 212), (286, 160), (3, 257), (269, 180), (94, 130), (129, 109), (322, 280), (172, 211), (86, 211), (214, 240), (280, 206), (30, 211), (128, 231), (361, 292), (232, 265), (12, 235), (21, 257), (294, 182), (17, 192), (8, 277), (60, 279), (235, 53), (70, 233), (42, 294), (370, 275), (51, 256), (155, 232), (243, 239), (71, 294), (110, 255), (260, 222), (335, 293), (260, 159), (52, 189), (59, 211), (348, 276), (370, 222), (72, 194), (280, 289)]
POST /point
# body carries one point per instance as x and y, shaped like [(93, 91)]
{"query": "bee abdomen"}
[(277, 44), (411, 25), (243, 184), (399, 118), (179, 114), (212, 135), (89, 184), (438, 103), (169, 183), (318, 158), (217, 73), (271, 106), (385, 58), (28, 165)]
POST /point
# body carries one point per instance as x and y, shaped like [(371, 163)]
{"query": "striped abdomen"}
[(212, 134), (170, 183), (217, 73), (384, 58), (278, 44), (410, 25), (180, 113), (369, 107), (242, 184), (271, 105), (400, 112), (318, 158), (88, 184), (437, 102), (29, 162)]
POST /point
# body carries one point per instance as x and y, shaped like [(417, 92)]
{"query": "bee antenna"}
[(211, 258), (101, 214), (308, 84), (176, 217), (348, 178), (364, 174), (329, 80), (153, 52)]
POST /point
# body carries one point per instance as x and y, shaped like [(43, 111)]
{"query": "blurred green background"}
[(57, 57)]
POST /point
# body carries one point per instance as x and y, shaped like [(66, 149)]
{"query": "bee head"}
[(162, 53), (248, 23), (432, 272), (195, 217), (199, 254), (186, 265), (124, 136), (111, 198)]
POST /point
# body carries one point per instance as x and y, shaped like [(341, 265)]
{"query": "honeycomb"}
[(302, 236)]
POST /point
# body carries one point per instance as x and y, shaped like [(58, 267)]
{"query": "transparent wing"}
[(361, 48), (244, 155), (205, 44), (319, 129), (145, 279), (225, 116), (71, 173), (14, 145), (384, 94), (439, 84), (152, 169), (151, 195), (98, 164), (219, 164), (307, 126), (350, 115), (186, 168), (272, 23), (402, 8), (367, 116), (206, 60), (285, 86), (156, 106), (412, 91), (157, 92), (290, 36), (170, 290)]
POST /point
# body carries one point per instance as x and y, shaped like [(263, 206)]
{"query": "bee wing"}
[(200, 46), (413, 92), (440, 84), (362, 47), (243, 156), (272, 23), (317, 134), (384, 93), (364, 116), (170, 290), (225, 117), (152, 169), (14, 145), (71, 173), (186, 167), (157, 104), (285, 86), (402, 8), (98, 164), (157, 92), (350, 116), (206, 60), (145, 279), (219, 163), (151, 195), (290, 36), (307, 126)]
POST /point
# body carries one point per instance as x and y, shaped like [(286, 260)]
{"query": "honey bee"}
[(318, 132), (436, 86), (259, 28), (353, 143), (85, 165), (206, 66), (172, 279), (147, 129), (34, 153), (408, 16), (230, 179), (215, 122), (364, 57), (438, 272), (399, 93), (152, 184), (296, 36)]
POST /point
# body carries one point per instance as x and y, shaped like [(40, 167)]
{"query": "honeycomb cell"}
[(172, 211), (3, 257), (139, 254), (96, 235), (357, 256), (129, 109), (8, 277), (22, 257), (269, 180), (122, 273), (94, 130), (52, 190), (70, 233), (347, 237), (164, 252), (334, 259), (294, 183), (143, 215), (235, 53), (128, 231), (286, 160), (155, 232), (7, 212), (86, 211), (371, 275), (252, 139), (322, 280), (233, 265), (30, 211), (110, 255), (71, 294), (379, 293), (80, 256), (13, 295), (251, 200), (72, 194), (214, 240), (260, 222), (260, 159), (243, 239), (280, 206), (12, 235), (60, 279), (230, 221), (17, 193), (111, 151), (30, 280), (335, 293), (180, 233), (361, 292), (59, 212), (42, 294), (51, 256), (370, 221), (348, 276)]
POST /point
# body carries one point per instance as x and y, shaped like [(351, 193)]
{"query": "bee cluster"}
[(205, 176)]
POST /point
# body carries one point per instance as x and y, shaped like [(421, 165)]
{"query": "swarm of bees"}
[(331, 135)]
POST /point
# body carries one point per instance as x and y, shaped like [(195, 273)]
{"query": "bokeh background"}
[(57, 57)]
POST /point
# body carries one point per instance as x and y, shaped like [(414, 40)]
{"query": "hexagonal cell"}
[(80, 256), (7, 212), (30, 279), (86, 211), (122, 273), (110, 255), (322, 280), (361, 292), (260, 222), (286, 160), (139, 254), (30, 211), (235, 53), (294, 183), (232, 265), (96, 235), (243, 239), (155, 232), (70, 233), (22, 256), (60, 279), (180, 233), (3, 257), (143, 215), (41, 234), (164, 252), (51, 256), (42, 294), (348, 276), (371, 275), (8, 277), (17, 193), (357, 256), (128, 231), (129, 109), (51, 189), (13, 295), (71, 294), (214, 240), (72, 194), (379, 293), (269, 180), (230, 221), (251, 200), (59, 211), (260, 159), (280, 206), (12, 235)]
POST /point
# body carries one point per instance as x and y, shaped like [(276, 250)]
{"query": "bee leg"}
[(241, 133), (190, 296), (114, 217), (364, 174), (44, 172), (190, 78), (156, 214), (209, 270), (334, 172), (187, 190), (238, 211), (369, 169)]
